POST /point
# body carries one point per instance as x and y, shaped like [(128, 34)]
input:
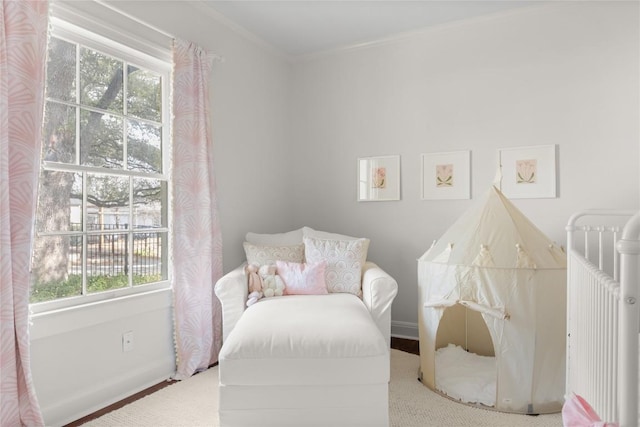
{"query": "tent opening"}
[(466, 328), (465, 367)]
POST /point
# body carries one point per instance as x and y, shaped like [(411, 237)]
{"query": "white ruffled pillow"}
[(345, 259), (265, 254)]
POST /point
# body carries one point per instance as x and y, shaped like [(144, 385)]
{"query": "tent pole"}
[(466, 329)]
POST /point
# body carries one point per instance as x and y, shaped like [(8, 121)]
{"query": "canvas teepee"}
[(493, 263)]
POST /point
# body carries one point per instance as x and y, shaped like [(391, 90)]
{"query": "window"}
[(102, 216)]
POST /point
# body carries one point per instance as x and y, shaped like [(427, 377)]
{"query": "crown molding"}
[(201, 6), (421, 32)]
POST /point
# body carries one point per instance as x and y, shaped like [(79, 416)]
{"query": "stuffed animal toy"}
[(272, 284), (255, 284)]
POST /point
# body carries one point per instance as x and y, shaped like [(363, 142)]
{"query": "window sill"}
[(53, 322)]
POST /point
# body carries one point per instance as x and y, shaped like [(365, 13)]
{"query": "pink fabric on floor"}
[(23, 48), (197, 247), (576, 412)]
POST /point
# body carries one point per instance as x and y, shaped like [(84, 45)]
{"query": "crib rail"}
[(629, 248), (602, 314)]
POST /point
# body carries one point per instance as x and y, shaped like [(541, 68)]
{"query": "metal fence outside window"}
[(107, 251)]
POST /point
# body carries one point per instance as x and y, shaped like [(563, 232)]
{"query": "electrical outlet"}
[(127, 341)]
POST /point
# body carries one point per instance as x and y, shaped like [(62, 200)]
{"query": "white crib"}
[(603, 321)]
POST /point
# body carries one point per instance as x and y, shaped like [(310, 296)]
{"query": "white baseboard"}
[(400, 329)]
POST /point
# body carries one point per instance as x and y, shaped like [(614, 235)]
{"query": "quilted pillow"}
[(345, 259), (262, 254), (303, 279)]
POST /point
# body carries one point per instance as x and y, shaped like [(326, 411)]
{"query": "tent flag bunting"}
[(494, 263)]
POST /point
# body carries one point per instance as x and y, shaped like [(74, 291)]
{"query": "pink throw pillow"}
[(303, 279)]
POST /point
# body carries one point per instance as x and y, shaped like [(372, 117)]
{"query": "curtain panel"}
[(23, 47), (197, 243)]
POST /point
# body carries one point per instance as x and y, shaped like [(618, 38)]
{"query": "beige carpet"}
[(193, 402)]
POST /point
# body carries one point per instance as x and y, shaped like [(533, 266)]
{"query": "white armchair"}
[(304, 360), (378, 292)]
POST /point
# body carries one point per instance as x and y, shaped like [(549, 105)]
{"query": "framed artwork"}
[(446, 175), (528, 172), (378, 178)]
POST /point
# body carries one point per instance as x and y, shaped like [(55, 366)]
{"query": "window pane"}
[(61, 70), (107, 259), (101, 81), (108, 201), (148, 195), (59, 202), (57, 268), (144, 96), (59, 133), (148, 253), (101, 140), (144, 147)]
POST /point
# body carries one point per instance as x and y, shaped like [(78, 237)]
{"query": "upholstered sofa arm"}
[(232, 291), (378, 291)]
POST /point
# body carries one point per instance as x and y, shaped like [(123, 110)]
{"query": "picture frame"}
[(446, 176), (378, 178), (528, 172)]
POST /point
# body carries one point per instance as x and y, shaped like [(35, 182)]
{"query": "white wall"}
[(77, 359), (564, 74)]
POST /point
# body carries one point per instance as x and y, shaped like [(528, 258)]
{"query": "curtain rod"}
[(215, 56)]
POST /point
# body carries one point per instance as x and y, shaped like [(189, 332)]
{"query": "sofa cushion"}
[(305, 339), (345, 259), (303, 279), (266, 254), (310, 232), (289, 238)]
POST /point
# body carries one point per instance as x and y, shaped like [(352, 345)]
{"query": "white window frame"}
[(160, 63)]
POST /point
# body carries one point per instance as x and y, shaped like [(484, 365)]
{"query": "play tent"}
[(496, 285)]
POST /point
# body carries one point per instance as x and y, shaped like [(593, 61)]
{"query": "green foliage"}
[(57, 289), (73, 286), (145, 279)]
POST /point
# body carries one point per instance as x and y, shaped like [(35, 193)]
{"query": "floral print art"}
[(526, 171), (379, 177), (444, 175)]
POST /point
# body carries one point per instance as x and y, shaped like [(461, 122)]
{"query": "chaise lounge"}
[(319, 359)]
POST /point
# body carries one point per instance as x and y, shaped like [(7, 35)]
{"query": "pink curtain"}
[(23, 47), (197, 253)]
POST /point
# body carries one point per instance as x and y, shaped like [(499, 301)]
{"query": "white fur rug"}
[(194, 402)]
